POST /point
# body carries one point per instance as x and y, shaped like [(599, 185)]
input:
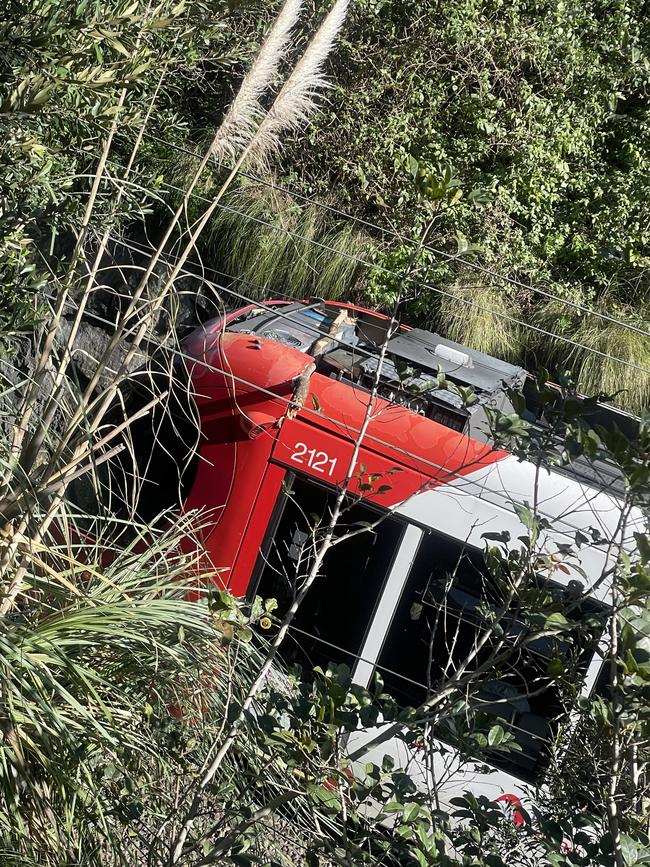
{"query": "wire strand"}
[(144, 249), (405, 239), (136, 246), (428, 286), (415, 282), (350, 430)]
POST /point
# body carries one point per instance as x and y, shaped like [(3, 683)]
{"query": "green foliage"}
[(601, 763), (68, 72), (20, 283), (541, 111), (118, 678), (108, 676), (628, 383), (117, 687)]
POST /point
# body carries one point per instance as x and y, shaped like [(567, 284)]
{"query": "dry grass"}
[(282, 258), (629, 386), (297, 98), (480, 324)]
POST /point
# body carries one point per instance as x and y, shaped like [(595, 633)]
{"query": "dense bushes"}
[(70, 76), (541, 111)]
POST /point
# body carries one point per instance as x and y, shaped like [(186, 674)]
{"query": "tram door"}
[(332, 622)]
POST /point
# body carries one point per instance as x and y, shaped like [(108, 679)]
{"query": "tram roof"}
[(301, 325), (427, 349)]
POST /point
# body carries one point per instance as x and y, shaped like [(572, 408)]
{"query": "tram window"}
[(436, 626), (331, 623)]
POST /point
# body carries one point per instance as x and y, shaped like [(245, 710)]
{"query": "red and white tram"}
[(425, 465)]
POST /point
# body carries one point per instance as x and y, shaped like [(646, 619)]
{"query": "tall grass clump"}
[(596, 363), (117, 678), (473, 314), (629, 386), (98, 650), (276, 246)]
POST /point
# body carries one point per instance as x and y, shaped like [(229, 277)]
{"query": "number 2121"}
[(319, 461)]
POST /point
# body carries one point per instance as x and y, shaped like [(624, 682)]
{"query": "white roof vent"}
[(461, 359)]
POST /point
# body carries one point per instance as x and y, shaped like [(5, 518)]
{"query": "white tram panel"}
[(484, 502), (464, 509)]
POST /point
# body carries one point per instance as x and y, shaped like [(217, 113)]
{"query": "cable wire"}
[(308, 326), (144, 250), (405, 239), (136, 246), (416, 282), (350, 430), (377, 666), (371, 265)]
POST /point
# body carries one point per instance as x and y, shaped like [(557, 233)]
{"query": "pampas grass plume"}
[(297, 98), (243, 117)]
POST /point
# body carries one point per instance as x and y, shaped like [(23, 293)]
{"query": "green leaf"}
[(480, 197), (330, 798), (556, 620), (643, 546), (503, 536), (411, 812), (555, 668), (528, 519), (629, 850), (496, 736), (40, 98), (421, 857)]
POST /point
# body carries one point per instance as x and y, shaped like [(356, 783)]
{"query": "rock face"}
[(152, 366), (16, 369), (192, 300), (18, 365), (89, 347)]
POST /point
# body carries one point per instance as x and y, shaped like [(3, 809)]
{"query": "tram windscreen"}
[(331, 623)]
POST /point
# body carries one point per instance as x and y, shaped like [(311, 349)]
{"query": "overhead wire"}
[(359, 349), (275, 396), (377, 666), (356, 656), (455, 257), (170, 260), (349, 429), (313, 328), (416, 282), (142, 249)]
